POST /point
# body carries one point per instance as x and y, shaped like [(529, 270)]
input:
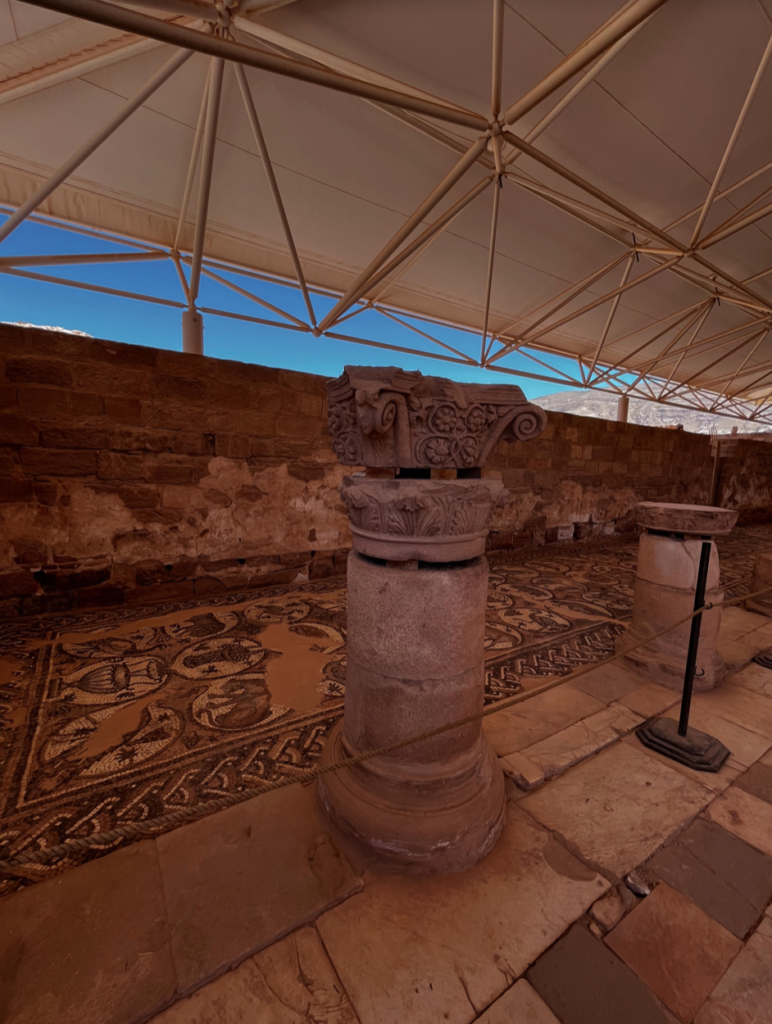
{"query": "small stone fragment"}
[(609, 910), (636, 884), (523, 772), (595, 930)]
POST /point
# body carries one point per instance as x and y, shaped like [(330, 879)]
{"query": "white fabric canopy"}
[(649, 131)]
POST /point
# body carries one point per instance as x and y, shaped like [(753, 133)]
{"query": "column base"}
[(430, 827), (653, 664)]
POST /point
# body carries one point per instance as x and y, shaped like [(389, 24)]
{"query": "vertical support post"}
[(716, 445), (192, 332), (623, 408), (205, 181), (694, 636)]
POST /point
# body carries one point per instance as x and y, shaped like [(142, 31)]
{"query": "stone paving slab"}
[(240, 879), (291, 982), (746, 816), (744, 745), (675, 948), (89, 946), (724, 876), (519, 1005), (715, 782), (757, 782), (685, 873), (744, 994), (520, 726), (756, 678), (737, 622), (583, 982), (650, 699), (738, 653), (618, 807), (428, 949), (524, 773), (608, 682), (747, 709), (553, 755)]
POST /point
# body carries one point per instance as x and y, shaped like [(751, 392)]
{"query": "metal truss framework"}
[(647, 371)]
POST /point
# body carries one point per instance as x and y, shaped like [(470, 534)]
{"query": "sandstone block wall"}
[(134, 475), (582, 476), (745, 478)]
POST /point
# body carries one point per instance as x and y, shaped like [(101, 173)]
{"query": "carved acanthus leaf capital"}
[(381, 416), (429, 520)]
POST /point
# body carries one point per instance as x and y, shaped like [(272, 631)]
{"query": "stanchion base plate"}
[(696, 749)]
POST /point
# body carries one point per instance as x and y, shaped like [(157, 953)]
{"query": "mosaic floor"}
[(114, 717)]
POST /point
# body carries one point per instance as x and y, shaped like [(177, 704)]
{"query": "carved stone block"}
[(428, 520), (382, 416), (699, 520)]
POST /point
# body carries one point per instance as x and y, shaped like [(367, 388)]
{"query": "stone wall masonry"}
[(131, 475), (745, 478), (582, 476)]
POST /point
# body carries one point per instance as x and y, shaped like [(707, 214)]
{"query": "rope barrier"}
[(187, 814)]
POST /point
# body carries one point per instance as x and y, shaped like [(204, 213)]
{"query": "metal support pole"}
[(694, 636), (489, 278), (623, 408), (366, 278), (716, 465), (257, 131), (205, 182), (94, 142), (192, 332), (225, 49)]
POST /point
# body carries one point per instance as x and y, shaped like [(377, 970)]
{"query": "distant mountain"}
[(45, 327), (603, 406)]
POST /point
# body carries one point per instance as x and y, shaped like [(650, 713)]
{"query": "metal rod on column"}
[(194, 155), (205, 183), (489, 278), (257, 131), (694, 636), (96, 140)]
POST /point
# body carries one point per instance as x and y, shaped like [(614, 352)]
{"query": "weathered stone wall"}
[(132, 474), (745, 478), (136, 474), (582, 476)]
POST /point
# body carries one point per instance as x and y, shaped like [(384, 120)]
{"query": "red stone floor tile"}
[(583, 982), (675, 948)]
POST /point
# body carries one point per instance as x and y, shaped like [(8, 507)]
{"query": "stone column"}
[(668, 559), (417, 589)]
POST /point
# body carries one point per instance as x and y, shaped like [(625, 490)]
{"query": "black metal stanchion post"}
[(689, 746), (694, 637)]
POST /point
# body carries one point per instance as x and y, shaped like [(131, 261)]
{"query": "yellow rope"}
[(185, 814)]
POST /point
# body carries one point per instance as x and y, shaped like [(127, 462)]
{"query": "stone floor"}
[(115, 717), (255, 914)]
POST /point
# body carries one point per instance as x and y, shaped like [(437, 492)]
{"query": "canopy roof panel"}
[(613, 206)]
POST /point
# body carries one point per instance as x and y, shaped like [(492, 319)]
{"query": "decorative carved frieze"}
[(700, 520), (381, 416), (428, 520)]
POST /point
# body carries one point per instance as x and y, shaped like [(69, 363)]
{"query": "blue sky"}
[(143, 323)]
